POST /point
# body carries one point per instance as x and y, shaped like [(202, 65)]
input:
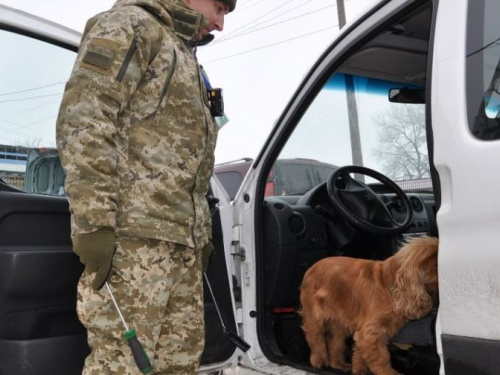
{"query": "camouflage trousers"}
[(158, 286)]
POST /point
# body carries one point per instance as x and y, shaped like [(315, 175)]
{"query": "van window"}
[(371, 111), (483, 69), (32, 78), (292, 179), (297, 176)]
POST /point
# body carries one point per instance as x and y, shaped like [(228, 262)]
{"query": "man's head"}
[(214, 11)]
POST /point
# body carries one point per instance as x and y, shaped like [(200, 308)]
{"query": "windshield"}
[(352, 122)]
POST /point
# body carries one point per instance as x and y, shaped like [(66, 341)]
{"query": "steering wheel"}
[(361, 206)]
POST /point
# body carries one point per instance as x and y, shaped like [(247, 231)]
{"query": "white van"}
[(410, 90)]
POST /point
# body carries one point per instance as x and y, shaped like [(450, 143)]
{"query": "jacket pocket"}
[(166, 85), (126, 62)]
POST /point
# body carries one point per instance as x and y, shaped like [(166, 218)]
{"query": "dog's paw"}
[(360, 369), (318, 361)]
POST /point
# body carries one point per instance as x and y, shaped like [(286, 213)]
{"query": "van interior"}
[(378, 88)]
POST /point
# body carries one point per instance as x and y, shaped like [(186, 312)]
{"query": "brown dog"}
[(369, 300)]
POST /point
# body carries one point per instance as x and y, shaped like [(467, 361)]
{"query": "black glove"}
[(96, 252), (206, 254)]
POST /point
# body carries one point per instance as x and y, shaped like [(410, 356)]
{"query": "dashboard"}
[(299, 231)]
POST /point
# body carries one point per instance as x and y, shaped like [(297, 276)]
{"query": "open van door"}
[(39, 329), (409, 90)]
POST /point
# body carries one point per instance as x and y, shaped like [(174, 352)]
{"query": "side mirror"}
[(407, 95)]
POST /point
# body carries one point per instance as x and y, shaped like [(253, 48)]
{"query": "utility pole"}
[(357, 155), (341, 13)]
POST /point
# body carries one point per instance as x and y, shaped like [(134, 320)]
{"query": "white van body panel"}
[(468, 219)]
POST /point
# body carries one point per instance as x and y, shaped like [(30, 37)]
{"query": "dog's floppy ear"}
[(410, 296)]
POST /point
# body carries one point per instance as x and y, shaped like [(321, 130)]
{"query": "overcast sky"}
[(267, 46)]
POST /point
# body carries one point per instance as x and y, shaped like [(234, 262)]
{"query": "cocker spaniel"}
[(368, 300)]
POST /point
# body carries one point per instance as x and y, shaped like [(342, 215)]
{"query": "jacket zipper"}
[(202, 90), (128, 58), (167, 82)]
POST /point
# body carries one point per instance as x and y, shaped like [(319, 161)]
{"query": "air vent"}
[(399, 206), (417, 204), (296, 223), (279, 206)]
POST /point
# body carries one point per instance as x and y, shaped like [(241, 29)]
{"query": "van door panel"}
[(39, 329)]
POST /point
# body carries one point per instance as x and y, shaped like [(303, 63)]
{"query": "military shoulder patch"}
[(100, 54)]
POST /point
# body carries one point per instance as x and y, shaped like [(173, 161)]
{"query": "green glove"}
[(96, 252), (206, 254)]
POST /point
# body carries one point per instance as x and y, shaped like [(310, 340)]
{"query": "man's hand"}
[(206, 254), (96, 252)]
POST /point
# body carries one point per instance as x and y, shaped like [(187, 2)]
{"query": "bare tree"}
[(402, 142), (31, 142)]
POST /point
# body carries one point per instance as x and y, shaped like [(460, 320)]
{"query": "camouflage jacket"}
[(134, 131)]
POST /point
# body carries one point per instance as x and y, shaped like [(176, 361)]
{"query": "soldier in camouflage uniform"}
[(136, 139)]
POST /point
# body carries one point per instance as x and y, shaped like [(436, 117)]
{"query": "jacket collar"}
[(185, 22)]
